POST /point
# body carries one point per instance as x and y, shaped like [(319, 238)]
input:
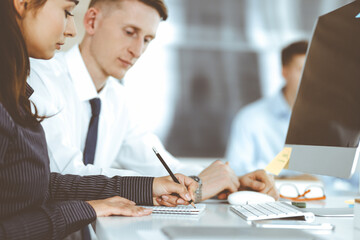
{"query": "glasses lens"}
[(315, 192), (288, 191)]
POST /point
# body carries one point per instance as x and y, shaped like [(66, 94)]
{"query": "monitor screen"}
[(327, 108)]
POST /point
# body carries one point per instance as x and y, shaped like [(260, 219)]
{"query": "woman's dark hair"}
[(14, 65)]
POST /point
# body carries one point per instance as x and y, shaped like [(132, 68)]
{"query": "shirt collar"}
[(28, 91), (79, 74), (282, 108)]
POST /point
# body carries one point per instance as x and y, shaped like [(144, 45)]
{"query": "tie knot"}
[(95, 106)]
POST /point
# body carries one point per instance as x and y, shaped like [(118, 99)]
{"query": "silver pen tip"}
[(155, 151)]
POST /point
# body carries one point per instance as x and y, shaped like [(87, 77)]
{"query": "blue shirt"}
[(258, 134)]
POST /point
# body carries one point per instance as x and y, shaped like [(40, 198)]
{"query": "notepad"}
[(180, 209), (280, 162)]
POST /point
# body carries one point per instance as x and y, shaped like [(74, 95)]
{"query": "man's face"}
[(122, 36), (292, 71)]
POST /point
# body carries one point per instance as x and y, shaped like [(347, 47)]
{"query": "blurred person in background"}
[(259, 130)]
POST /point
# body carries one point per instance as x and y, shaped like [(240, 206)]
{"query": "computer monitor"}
[(324, 129)]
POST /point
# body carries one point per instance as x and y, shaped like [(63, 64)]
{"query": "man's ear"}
[(20, 6), (284, 72), (91, 18)]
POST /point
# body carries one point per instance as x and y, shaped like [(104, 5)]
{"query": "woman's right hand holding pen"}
[(164, 193), (165, 190)]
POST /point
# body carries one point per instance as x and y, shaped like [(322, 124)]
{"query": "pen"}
[(169, 171)]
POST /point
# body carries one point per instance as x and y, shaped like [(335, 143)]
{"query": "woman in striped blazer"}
[(34, 203)]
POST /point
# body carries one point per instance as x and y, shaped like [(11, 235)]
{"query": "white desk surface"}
[(217, 214)]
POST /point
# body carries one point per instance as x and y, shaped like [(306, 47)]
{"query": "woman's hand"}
[(169, 193), (118, 206)]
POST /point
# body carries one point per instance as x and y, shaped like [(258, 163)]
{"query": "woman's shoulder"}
[(7, 124)]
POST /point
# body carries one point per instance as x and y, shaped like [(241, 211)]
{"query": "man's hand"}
[(169, 193), (118, 206), (259, 181), (216, 178)]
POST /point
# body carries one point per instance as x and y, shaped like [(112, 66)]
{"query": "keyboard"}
[(270, 210)]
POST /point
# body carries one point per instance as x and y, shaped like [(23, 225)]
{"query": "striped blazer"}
[(37, 204)]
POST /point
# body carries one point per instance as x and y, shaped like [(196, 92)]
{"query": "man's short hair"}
[(158, 5), (296, 48)]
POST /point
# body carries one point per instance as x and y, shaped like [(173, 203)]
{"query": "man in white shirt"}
[(117, 33)]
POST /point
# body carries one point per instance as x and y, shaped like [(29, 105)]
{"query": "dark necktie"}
[(90, 145), (91, 138)]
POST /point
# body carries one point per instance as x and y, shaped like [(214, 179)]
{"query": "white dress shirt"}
[(63, 88)]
